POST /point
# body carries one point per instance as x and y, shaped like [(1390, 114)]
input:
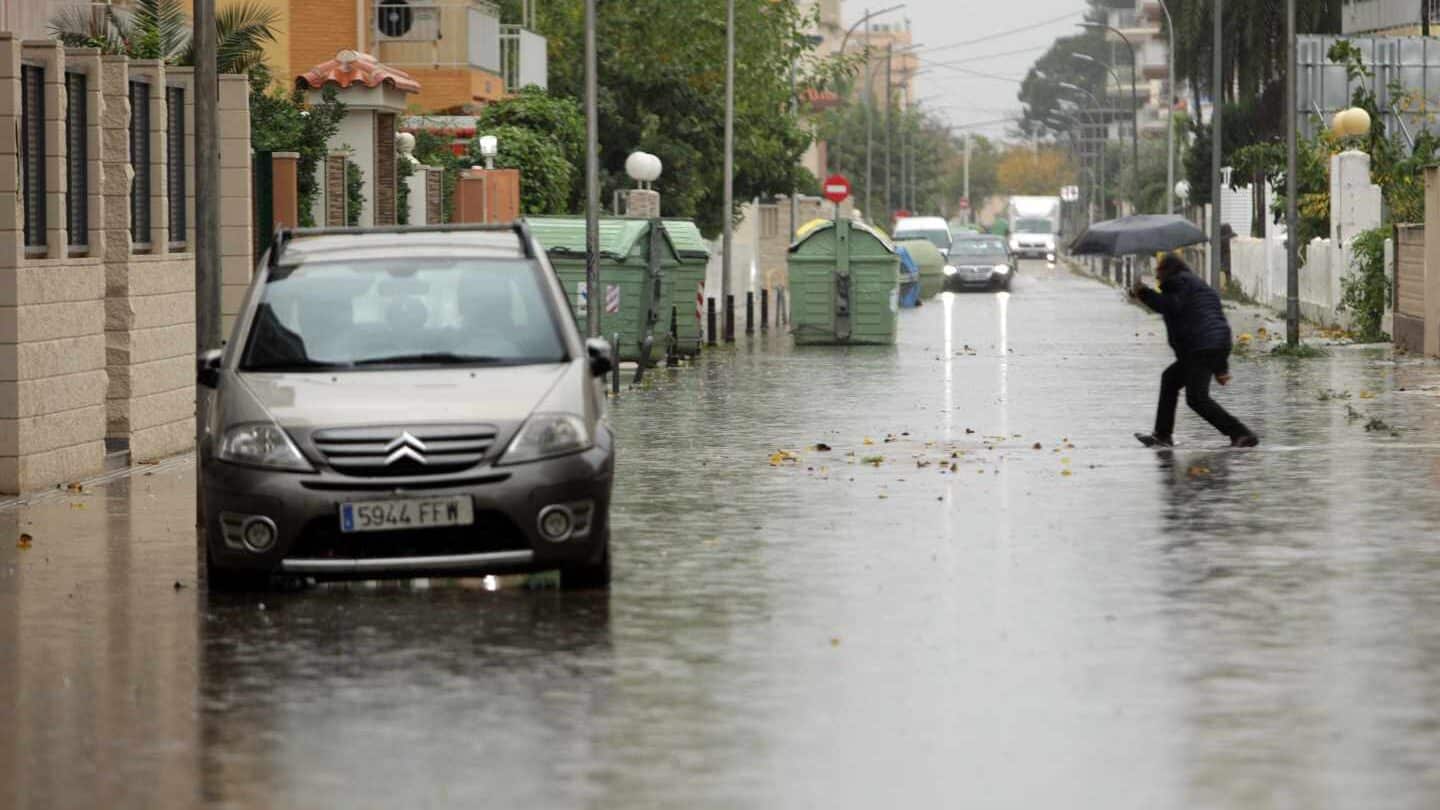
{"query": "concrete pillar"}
[(1355, 202), (383, 186), (487, 195), (1432, 261), (285, 189), (641, 203), (236, 259), (434, 195)]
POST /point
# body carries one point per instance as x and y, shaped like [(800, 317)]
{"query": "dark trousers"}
[(1193, 373)]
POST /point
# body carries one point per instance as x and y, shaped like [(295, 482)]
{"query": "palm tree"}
[(160, 29)]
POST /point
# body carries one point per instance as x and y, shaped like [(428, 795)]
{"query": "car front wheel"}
[(589, 574)]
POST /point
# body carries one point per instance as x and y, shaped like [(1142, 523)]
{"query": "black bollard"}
[(750, 312), (780, 315), (765, 310), (730, 318), (710, 321), (615, 356)]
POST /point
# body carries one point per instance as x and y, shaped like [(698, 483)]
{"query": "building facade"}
[(97, 261), (1388, 17), (1142, 24)]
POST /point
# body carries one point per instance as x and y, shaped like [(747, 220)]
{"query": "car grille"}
[(321, 539), (975, 273), (400, 451)]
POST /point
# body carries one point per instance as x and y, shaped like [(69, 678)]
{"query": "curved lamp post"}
[(845, 42), (1134, 125), (1095, 116)]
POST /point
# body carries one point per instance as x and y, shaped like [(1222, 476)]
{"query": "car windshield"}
[(977, 248), (939, 239), (377, 313), (1036, 225)]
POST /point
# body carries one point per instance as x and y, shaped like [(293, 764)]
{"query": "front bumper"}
[(1030, 252), (505, 538)]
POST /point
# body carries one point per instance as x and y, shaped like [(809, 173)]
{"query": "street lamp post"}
[(1134, 112), (592, 179), (1217, 103), (1170, 112), (1097, 117), (1292, 192), (728, 235), (845, 42)]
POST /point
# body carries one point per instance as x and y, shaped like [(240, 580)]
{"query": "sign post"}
[(837, 190)]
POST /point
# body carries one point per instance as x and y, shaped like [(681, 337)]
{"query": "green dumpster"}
[(845, 285), (685, 285), (627, 284), (932, 266)]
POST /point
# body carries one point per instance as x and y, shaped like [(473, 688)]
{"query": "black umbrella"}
[(1138, 234)]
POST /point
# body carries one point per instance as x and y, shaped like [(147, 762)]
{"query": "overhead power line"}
[(1010, 32)]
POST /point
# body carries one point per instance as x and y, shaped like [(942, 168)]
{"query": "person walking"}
[(1198, 332)]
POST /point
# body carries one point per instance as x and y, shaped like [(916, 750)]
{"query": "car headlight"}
[(950, 270), (1002, 269), (262, 444), (545, 435)]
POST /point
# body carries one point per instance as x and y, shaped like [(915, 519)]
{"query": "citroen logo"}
[(404, 447)]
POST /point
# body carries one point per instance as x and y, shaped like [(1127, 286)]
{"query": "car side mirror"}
[(207, 368), (602, 357)]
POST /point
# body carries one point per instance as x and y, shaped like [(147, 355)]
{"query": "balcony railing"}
[(523, 58)]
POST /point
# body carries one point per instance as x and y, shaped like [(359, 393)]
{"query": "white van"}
[(935, 230)]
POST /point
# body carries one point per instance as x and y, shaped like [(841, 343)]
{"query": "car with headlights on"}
[(405, 402), (979, 261)]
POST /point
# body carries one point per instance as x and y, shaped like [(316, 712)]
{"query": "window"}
[(175, 161), (391, 312), (32, 153), (77, 178), (140, 162)]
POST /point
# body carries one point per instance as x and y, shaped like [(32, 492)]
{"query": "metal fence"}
[(77, 161), (1412, 64)]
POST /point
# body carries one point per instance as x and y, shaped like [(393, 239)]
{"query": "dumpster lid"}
[(817, 226), (686, 238), (619, 236), (926, 256)]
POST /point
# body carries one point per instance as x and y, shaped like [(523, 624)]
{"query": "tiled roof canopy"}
[(351, 67)]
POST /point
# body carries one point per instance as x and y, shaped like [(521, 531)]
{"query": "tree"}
[(920, 141), (547, 177), (160, 29), (1041, 172), (283, 121), (1041, 93), (559, 121), (663, 90)]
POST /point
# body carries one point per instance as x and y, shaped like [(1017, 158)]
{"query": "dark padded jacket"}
[(1194, 319)]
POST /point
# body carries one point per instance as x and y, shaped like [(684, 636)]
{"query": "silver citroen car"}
[(405, 402)]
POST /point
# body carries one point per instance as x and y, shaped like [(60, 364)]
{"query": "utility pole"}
[(1217, 93), (207, 185), (889, 126), (1170, 113), (794, 116), (970, 207), (1292, 191), (592, 180), (869, 118), (728, 238)]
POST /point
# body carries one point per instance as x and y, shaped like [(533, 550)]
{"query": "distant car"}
[(935, 230), (405, 403), (979, 261)]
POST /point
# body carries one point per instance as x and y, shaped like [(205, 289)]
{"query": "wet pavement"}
[(935, 612)]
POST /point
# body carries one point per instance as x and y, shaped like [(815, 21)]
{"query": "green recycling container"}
[(931, 263), (626, 279), (845, 285), (685, 286)]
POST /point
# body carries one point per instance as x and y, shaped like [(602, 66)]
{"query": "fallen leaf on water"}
[(922, 462), (1065, 473), (869, 441), (781, 457), (74, 486), (874, 461), (968, 431), (822, 448), (1065, 460), (24, 541), (1367, 395), (1036, 446), (954, 467), (835, 641), (1197, 470), (77, 506)]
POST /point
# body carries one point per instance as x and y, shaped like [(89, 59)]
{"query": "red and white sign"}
[(837, 188), (964, 203), (612, 299)]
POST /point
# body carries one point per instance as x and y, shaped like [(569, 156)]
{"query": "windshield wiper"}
[(441, 358), (294, 365)]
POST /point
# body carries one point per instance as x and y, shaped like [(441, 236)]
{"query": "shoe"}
[(1152, 440), (1248, 440)]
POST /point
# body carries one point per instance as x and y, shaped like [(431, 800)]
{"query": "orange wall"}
[(319, 28)]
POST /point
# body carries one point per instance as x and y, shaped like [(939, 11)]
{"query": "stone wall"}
[(52, 311), (237, 261)]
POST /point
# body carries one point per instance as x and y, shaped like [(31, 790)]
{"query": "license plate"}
[(410, 513)]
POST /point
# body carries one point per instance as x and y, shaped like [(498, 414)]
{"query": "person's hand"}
[(1222, 377)]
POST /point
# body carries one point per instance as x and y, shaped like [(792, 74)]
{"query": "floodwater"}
[(932, 613)]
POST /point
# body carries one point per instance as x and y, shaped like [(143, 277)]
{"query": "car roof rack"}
[(519, 227)]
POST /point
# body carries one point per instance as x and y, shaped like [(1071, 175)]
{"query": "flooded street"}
[(984, 594)]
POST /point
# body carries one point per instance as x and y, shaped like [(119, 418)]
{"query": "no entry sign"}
[(837, 188)]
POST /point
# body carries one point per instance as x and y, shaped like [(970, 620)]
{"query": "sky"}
[(1001, 50)]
